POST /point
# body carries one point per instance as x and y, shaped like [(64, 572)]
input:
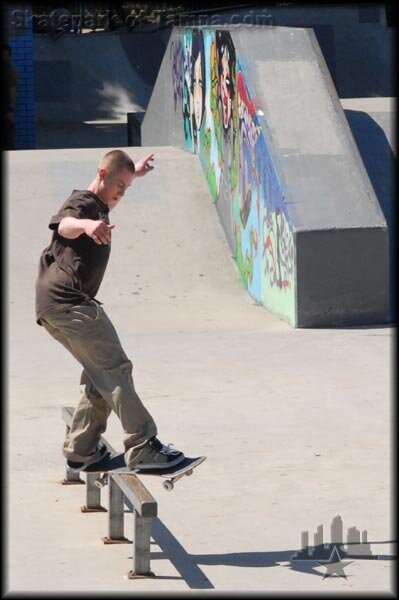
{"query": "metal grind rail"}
[(123, 489)]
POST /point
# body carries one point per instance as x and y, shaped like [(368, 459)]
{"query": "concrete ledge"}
[(335, 287)]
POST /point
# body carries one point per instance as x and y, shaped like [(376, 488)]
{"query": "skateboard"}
[(115, 463)]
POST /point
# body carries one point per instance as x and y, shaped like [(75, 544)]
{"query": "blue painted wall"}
[(21, 42)]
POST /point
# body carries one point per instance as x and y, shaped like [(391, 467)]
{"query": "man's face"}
[(113, 186), (197, 92), (225, 85)]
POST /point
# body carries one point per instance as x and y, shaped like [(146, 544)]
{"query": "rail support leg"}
[(115, 514), (141, 547), (93, 495)]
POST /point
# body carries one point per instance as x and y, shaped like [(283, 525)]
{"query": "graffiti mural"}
[(221, 125), (176, 57)]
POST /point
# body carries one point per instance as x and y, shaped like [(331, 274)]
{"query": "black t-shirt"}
[(71, 271)]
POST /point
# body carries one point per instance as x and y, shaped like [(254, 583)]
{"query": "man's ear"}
[(101, 172)]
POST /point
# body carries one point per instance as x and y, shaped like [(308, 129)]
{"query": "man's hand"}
[(98, 231), (142, 167)]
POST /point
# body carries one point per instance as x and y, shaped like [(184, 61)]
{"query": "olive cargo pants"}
[(89, 335)]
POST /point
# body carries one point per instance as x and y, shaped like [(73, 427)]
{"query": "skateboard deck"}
[(115, 463)]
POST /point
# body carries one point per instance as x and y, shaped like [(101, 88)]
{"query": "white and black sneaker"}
[(76, 467), (159, 456)]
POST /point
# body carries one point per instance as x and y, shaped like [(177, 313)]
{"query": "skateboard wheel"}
[(168, 485), (189, 473)]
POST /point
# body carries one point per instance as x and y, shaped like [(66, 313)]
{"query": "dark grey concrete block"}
[(342, 277)]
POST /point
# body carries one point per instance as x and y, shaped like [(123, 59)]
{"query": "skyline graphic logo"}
[(334, 554)]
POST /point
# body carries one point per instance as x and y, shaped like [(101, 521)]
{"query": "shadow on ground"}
[(187, 565)]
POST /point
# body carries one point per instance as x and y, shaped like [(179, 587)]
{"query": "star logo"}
[(335, 566)]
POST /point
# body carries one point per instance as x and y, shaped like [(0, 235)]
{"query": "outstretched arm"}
[(98, 231)]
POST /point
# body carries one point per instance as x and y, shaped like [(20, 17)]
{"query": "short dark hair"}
[(116, 160)]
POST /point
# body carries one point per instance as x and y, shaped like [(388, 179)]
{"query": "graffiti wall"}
[(220, 123)]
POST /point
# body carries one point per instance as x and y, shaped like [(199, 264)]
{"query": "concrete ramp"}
[(170, 266), (88, 77), (259, 108)]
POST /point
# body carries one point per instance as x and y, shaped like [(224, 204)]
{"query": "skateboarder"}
[(71, 269)]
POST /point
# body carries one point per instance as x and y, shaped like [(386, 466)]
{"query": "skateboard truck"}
[(169, 484), (101, 481)]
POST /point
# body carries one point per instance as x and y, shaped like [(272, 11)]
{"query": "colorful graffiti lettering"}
[(221, 125), (278, 250)]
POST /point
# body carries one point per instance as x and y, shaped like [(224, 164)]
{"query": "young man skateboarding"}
[(71, 269)]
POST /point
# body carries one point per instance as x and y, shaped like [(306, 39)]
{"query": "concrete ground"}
[(296, 423)]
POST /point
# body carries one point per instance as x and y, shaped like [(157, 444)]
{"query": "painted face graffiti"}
[(221, 125), (225, 88), (196, 78), (226, 66), (198, 91)]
